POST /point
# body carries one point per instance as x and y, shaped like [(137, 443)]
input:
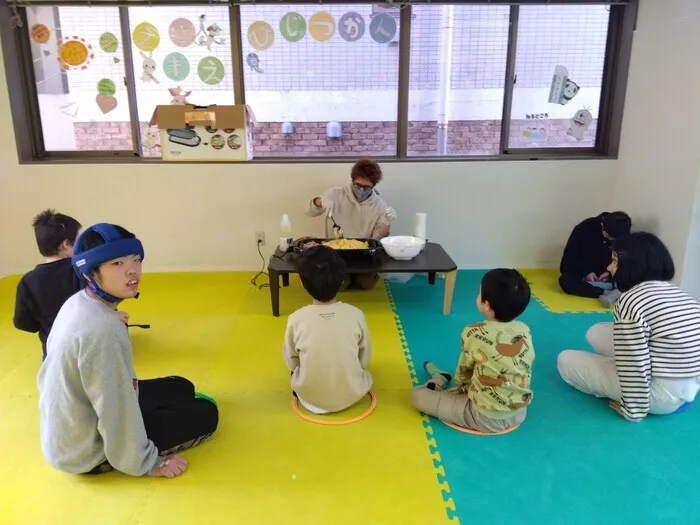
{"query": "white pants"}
[(595, 374), (311, 408)]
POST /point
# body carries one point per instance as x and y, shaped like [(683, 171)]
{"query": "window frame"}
[(24, 105)]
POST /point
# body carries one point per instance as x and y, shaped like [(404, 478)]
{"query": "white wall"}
[(204, 217), (691, 266), (4, 217), (660, 152)]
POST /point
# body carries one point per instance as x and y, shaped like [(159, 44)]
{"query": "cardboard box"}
[(204, 133)]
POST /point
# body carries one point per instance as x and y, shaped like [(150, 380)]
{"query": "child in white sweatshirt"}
[(327, 345), (95, 414)]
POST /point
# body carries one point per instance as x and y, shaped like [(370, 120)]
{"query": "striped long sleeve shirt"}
[(656, 334)]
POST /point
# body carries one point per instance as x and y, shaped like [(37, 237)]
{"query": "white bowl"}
[(402, 247)]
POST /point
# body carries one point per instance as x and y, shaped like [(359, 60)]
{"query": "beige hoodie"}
[(328, 348), (357, 219)]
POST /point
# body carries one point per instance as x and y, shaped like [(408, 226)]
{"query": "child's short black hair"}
[(51, 229), (507, 292), (641, 257), (322, 272), (617, 224)]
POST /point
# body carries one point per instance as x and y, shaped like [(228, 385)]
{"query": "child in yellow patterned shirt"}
[(492, 381)]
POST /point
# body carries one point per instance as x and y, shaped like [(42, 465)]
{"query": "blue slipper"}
[(685, 406)]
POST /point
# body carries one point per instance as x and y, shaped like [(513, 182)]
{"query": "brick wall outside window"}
[(359, 138)]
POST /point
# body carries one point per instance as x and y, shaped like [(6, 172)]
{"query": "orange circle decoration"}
[(40, 33), (479, 432), (74, 53), (334, 423), (322, 26)]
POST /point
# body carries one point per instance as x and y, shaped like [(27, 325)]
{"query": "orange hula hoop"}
[(302, 415), (479, 432)]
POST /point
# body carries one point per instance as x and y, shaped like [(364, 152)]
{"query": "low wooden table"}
[(432, 260)]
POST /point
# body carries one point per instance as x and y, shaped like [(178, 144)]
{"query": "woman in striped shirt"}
[(648, 360)]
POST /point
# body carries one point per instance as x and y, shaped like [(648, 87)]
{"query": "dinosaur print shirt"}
[(495, 367)]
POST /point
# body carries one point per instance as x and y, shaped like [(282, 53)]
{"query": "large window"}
[(181, 54), (566, 42), (324, 80), (330, 73), (79, 78), (458, 67)]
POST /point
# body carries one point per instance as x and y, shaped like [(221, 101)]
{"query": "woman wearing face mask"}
[(358, 209), (648, 360)]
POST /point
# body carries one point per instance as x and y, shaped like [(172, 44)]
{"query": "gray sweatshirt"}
[(88, 393)]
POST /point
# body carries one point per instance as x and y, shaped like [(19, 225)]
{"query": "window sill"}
[(520, 155)]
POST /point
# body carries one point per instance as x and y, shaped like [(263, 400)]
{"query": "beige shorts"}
[(450, 406)]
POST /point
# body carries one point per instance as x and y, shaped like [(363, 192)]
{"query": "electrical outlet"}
[(260, 238)]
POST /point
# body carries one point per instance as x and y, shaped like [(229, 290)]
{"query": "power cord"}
[(262, 272)]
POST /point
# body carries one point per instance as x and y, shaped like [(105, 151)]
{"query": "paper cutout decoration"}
[(106, 103), (39, 33), (351, 26), (106, 87), (179, 96), (210, 70), (182, 32), (74, 53), (260, 35), (563, 88), (176, 67), (70, 109), (148, 68), (382, 28), (209, 35), (254, 62), (532, 132), (108, 42), (580, 122), (292, 27), (146, 37), (322, 26), (150, 139)]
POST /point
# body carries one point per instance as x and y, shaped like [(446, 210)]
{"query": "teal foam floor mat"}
[(573, 461)]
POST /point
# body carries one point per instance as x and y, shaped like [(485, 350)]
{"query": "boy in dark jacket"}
[(43, 290), (588, 253)]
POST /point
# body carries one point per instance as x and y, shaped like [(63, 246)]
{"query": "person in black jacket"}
[(588, 253), (42, 291)]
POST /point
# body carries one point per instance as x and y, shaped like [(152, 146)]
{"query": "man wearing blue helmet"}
[(95, 415)]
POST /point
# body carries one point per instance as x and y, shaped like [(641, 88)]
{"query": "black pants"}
[(174, 419), (577, 286)]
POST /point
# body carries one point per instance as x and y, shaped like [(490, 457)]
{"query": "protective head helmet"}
[(85, 261)]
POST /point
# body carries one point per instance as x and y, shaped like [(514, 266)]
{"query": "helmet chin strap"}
[(99, 292)]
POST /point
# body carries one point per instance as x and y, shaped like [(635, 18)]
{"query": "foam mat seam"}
[(441, 475)]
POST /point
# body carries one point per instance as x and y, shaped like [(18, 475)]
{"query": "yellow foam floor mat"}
[(264, 465), (545, 288)]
